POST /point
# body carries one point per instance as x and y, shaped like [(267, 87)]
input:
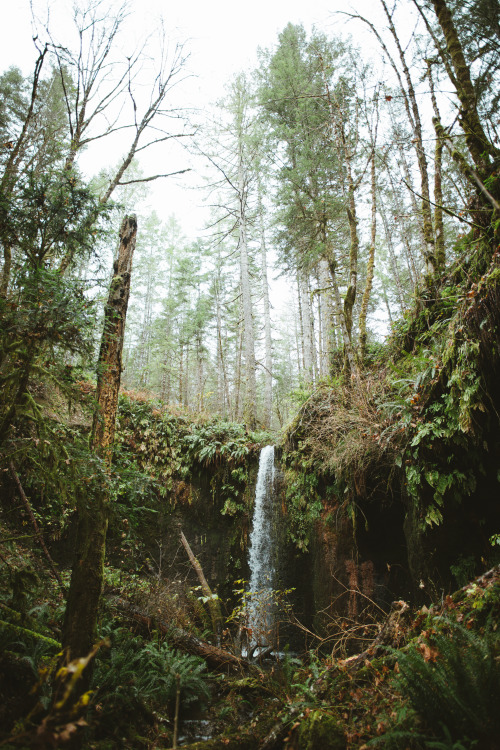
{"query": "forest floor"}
[(429, 678)]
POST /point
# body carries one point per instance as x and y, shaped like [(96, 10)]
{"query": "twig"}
[(443, 208), (38, 532)]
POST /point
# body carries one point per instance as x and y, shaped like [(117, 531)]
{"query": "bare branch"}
[(154, 177)]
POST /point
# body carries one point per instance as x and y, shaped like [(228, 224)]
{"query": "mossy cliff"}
[(202, 476), (392, 480)]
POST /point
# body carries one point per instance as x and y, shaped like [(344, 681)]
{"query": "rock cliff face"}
[(383, 553), (219, 541)]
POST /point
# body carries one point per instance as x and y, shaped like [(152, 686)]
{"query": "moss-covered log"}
[(20, 632)]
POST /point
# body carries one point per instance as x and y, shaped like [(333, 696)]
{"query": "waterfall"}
[(260, 605)]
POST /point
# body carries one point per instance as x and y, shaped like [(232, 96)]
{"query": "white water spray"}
[(260, 608)]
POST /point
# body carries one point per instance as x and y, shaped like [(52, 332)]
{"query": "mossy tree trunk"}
[(87, 574), (480, 148), (438, 186)]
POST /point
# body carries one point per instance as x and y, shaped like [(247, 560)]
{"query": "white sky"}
[(222, 37)]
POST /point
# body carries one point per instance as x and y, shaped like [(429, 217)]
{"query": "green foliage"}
[(137, 676), (170, 450), (47, 315), (305, 680), (292, 94), (287, 669), (262, 603), (452, 680), (304, 505), (33, 646), (48, 217), (445, 427), (464, 569)]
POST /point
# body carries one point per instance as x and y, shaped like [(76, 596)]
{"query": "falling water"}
[(260, 614)]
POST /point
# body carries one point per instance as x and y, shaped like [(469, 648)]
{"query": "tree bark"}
[(327, 319), (345, 154), (438, 187), (392, 259), (414, 118), (35, 525), (478, 144), (250, 403), (80, 623), (268, 356), (11, 170), (306, 325), (350, 357), (370, 267), (406, 232)]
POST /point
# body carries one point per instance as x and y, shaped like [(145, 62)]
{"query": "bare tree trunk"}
[(250, 401), (346, 154), (312, 333), (185, 382), (346, 337), (299, 330), (327, 316), (215, 657), (307, 343), (87, 574), (11, 170), (6, 269), (223, 394), (412, 268), (370, 267), (411, 105), (237, 375), (268, 356), (165, 377), (200, 383), (388, 307), (350, 295), (403, 160), (212, 599), (181, 372), (34, 522), (392, 259)]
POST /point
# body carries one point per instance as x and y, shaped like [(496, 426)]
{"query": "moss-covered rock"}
[(320, 730)]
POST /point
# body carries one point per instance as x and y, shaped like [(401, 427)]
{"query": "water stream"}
[(262, 547)]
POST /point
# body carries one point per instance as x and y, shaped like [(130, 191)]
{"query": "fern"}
[(138, 676), (454, 686)]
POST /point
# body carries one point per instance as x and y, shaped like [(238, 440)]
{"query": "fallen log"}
[(21, 632), (212, 599), (216, 658)]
